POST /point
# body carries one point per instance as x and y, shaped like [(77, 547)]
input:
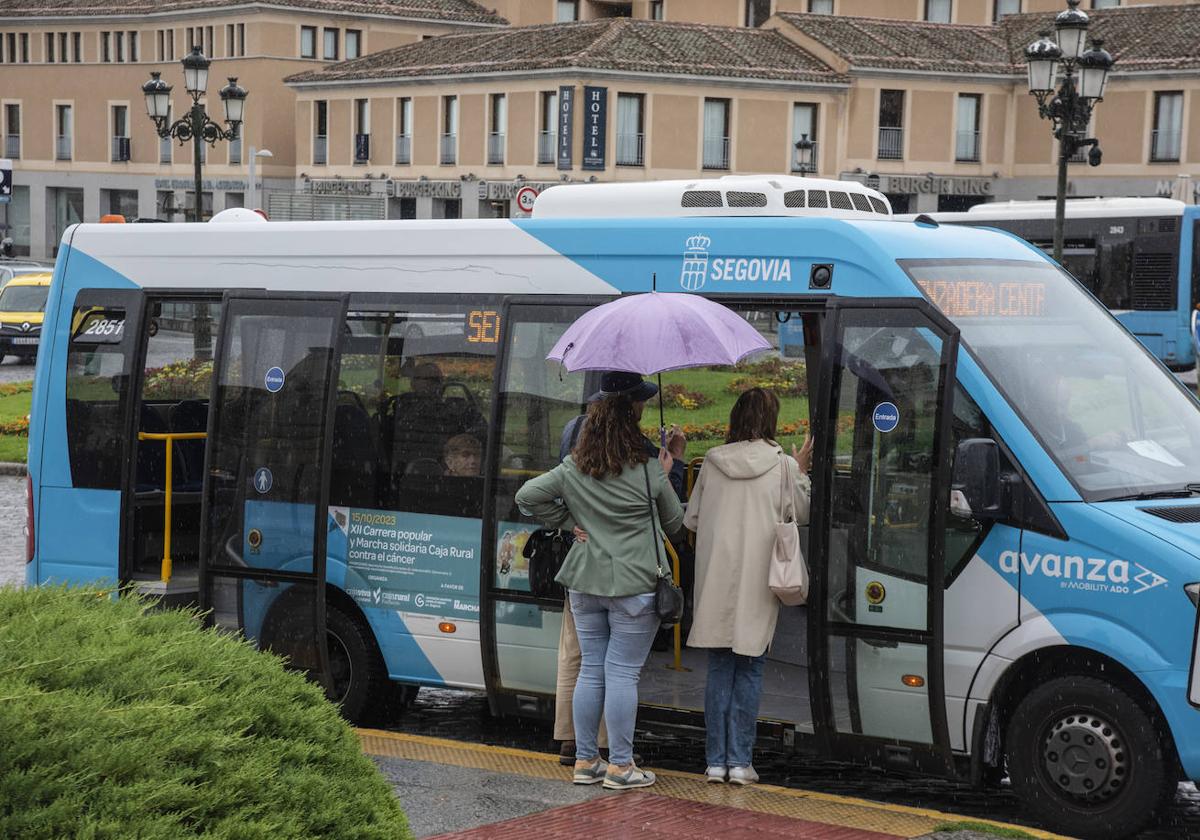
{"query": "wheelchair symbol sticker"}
[(886, 417), (274, 380), (263, 480)]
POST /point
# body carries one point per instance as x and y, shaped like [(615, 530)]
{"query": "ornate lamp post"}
[(805, 151), (1069, 108), (196, 125)]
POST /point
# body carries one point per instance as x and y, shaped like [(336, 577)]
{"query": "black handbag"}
[(668, 597), (546, 549)]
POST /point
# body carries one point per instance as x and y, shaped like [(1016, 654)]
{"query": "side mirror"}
[(976, 489)]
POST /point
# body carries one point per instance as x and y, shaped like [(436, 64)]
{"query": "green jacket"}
[(618, 558)]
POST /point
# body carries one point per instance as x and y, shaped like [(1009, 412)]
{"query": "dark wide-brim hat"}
[(623, 383)]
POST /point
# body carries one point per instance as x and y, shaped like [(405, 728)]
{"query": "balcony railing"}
[(891, 143), (62, 148), (12, 146), (630, 150), (120, 149), (164, 150), (404, 149), (496, 147), (362, 148), (966, 146), (320, 149), (716, 152), (547, 146), (816, 158), (449, 148), (1164, 145)]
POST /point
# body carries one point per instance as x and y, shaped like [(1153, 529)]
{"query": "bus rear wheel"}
[(358, 677), (1087, 759)]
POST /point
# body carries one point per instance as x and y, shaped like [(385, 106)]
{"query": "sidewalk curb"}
[(12, 468)]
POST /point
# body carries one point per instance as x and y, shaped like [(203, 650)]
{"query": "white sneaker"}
[(715, 774), (742, 775)]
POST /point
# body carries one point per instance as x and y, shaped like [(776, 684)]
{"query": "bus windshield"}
[(1116, 423), (24, 298)]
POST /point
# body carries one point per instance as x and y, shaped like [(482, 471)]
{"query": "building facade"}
[(442, 108), (74, 120)]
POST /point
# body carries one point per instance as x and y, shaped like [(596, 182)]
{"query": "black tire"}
[(358, 677), (1086, 759)]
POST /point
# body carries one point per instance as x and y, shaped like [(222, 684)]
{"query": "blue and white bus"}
[(1139, 256), (1004, 580)]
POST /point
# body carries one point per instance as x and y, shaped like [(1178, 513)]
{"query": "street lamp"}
[(253, 191), (805, 150), (1069, 108), (196, 125)]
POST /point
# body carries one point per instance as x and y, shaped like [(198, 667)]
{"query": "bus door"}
[(881, 478), (534, 401), (265, 520)]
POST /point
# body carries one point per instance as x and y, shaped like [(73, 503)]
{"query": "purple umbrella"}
[(656, 332)]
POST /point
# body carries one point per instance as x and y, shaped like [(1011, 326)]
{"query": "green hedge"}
[(117, 721)]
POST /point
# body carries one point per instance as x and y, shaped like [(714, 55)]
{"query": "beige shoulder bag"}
[(788, 577)]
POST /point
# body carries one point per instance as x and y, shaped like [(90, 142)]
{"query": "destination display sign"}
[(981, 297)]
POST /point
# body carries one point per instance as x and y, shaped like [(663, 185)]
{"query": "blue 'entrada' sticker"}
[(274, 379), (886, 417)]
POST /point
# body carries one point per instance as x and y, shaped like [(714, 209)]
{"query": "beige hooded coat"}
[(733, 510)]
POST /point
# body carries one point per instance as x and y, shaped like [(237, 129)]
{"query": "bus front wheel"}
[(359, 681), (1087, 759)]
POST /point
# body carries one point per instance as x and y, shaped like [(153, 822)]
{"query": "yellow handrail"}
[(169, 438)]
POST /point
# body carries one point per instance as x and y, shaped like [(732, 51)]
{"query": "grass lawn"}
[(14, 408)]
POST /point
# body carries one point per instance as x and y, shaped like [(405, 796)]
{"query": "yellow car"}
[(22, 307)]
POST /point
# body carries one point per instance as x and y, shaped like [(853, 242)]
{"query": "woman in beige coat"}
[(733, 510)]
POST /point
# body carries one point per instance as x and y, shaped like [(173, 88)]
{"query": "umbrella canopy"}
[(656, 332)]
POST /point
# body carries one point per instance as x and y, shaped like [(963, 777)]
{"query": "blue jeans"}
[(615, 635), (731, 706)]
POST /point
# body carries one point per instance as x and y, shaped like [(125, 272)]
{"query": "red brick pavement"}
[(648, 817)]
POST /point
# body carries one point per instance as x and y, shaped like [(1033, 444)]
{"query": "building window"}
[(106, 46), (208, 40), (353, 43), (404, 130), (77, 47), (498, 126), (566, 10), (362, 131), (308, 42), (230, 40), (1166, 138), (630, 129), (24, 47), (804, 126), (119, 47), (966, 137), (1005, 7), (330, 53), (120, 133), (12, 131), (241, 39), (820, 7), (1105, 4), (757, 12), (133, 46), (49, 48), (65, 128), (716, 133), (548, 130), (938, 11), (449, 140), (320, 131), (656, 10), (891, 125)]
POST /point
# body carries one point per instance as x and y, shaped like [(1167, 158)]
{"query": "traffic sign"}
[(5, 180), (525, 199)]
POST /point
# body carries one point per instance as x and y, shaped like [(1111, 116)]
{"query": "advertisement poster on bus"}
[(416, 563)]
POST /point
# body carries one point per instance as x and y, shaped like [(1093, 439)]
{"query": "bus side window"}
[(97, 390)]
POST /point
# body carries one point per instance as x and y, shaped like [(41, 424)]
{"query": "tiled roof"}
[(1140, 38), (625, 44), (457, 11)]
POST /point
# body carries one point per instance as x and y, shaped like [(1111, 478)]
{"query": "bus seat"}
[(423, 466), (355, 458), (189, 416)]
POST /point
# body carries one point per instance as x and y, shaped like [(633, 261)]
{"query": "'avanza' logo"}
[(698, 268), (1094, 574)]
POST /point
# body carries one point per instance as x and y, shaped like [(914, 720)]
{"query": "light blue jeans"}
[(731, 706), (615, 635)]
